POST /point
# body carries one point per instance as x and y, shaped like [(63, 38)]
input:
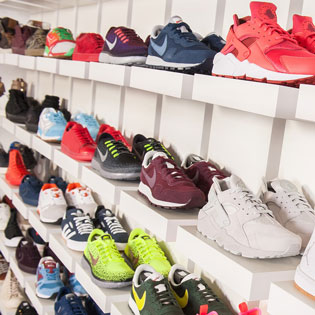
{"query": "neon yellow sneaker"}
[(101, 256), (143, 249)]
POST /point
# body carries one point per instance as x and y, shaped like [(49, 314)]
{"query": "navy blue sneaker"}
[(29, 190), (109, 223), (92, 308), (175, 47), (214, 42), (59, 182), (39, 242), (67, 303)]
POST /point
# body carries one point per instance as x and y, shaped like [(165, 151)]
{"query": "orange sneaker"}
[(258, 49), (16, 169)]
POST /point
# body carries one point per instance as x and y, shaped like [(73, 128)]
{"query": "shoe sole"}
[(89, 57), (127, 60), (73, 245), (304, 283), (49, 139), (42, 296), (35, 52), (48, 221)]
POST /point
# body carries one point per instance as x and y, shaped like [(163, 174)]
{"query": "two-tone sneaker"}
[(29, 190), (89, 122), (12, 232)]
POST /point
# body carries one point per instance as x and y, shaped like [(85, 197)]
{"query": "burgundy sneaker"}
[(27, 256), (22, 34), (201, 172), (164, 184), (123, 46)]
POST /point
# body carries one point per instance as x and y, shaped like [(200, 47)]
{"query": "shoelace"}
[(98, 40), (114, 225), (300, 202), (187, 36), (83, 224), (210, 171), (84, 136), (127, 34), (270, 29), (174, 173), (149, 248), (205, 291), (157, 146), (108, 252), (116, 148), (64, 33), (52, 276), (117, 135), (164, 295), (75, 306)]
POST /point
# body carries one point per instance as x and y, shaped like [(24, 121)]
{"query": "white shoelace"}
[(300, 202), (83, 224), (114, 225)]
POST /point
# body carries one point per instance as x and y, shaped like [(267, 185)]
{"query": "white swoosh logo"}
[(160, 49), (111, 45), (102, 156), (150, 180)]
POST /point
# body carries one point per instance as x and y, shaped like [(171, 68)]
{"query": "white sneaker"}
[(51, 204), (81, 197), (290, 208), (4, 215), (241, 224)]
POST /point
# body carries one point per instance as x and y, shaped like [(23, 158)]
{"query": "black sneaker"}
[(59, 182), (4, 160), (26, 152), (25, 309), (141, 145), (12, 232), (17, 107), (51, 101), (66, 113), (114, 161), (32, 116)]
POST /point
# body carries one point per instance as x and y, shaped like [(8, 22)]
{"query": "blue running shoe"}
[(59, 182), (48, 278), (176, 47), (51, 125), (67, 303), (89, 122), (75, 285), (92, 308), (29, 190)]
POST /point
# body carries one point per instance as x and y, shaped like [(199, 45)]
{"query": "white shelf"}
[(284, 298), (8, 125), (1, 58), (21, 276), (121, 308), (7, 188), (44, 148), (305, 109), (251, 278), (71, 68), (47, 64), (23, 135), (11, 59), (162, 223), (27, 62), (6, 251), (23, 208)]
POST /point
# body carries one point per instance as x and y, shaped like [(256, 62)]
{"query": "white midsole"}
[(43, 137), (74, 245), (304, 281), (132, 304), (3, 170), (104, 57), (156, 61), (229, 65)]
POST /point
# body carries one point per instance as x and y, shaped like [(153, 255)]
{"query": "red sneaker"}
[(304, 32), (116, 134), (258, 49), (88, 47), (16, 169), (77, 142)]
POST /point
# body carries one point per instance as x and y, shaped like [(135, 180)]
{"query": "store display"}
[(62, 184), (214, 42), (12, 232), (29, 190), (241, 224), (32, 116), (4, 160), (17, 106), (35, 44), (25, 308), (113, 160), (4, 267), (303, 31), (178, 191), (27, 154), (89, 122), (22, 33), (92, 308), (123, 46), (4, 215)]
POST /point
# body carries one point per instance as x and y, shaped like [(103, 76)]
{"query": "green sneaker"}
[(150, 294), (101, 256), (191, 293), (142, 249)]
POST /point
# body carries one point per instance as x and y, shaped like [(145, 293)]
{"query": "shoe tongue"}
[(303, 24), (264, 11), (106, 237), (177, 20), (236, 182), (154, 276), (283, 185), (189, 277), (50, 264)]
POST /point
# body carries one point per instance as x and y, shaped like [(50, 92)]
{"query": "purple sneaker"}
[(123, 47)]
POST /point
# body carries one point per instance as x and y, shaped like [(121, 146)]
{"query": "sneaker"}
[(92, 308), (81, 197), (32, 116), (51, 101), (7, 31), (241, 224), (102, 258), (75, 285), (51, 125), (4, 215), (214, 42), (77, 142), (280, 61), (151, 294), (51, 204), (68, 303), (123, 46), (29, 190), (201, 172), (35, 44), (59, 182), (88, 47), (22, 34), (113, 160), (4, 160), (76, 228), (164, 184), (141, 145), (38, 241), (176, 47), (108, 222), (16, 107), (4, 267), (290, 208), (191, 292), (48, 278), (144, 249), (116, 134), (25, 308), (89, 122), (49, 252), (26, 152), (12, 232), (59, 43), (27, 256)]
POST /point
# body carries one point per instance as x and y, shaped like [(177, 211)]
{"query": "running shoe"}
[(16, 107), (59, 43), (191, 292), (81, 197), (214, 42), (144, 249), (124, 47), (48, 278), (25, 308), (88, 47), (4, 215), (258, 49), (77, 142), (151, 294), (4, 160), (113, 160), (62, 184), (241, 224), (12, 232), (164, 184), (29, 190), (68, 303), (108, 222), (51, 125), (141, 145), (89, 122), (201, 172), (176, 47), (102, 258), (76, 228), (74, 284)]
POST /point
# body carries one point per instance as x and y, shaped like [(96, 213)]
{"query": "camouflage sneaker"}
[(35, 45), (7, 26)]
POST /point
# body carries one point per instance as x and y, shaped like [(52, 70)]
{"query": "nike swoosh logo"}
[(94, 261), (111, 45), (182, 301), (102, 156), (160, 49), (150, 180), (140, 302)]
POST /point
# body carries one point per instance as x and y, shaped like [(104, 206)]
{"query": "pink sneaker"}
[(244, 310)]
